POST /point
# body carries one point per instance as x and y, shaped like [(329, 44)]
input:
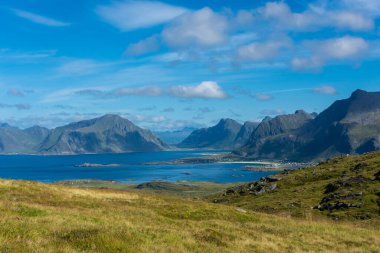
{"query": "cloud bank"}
[(38, 19), (204, 90), (132, 14)]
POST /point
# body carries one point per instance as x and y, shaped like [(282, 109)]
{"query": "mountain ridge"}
[(219, 136), (107, 134), (347, 126)]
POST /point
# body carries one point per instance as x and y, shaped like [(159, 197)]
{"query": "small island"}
[(90, 165)]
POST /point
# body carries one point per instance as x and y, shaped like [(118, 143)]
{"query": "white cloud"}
[(150, 90), (172, 57), (16, 92), (149, 108), (144, 46), (158, 119), (147, 120), (244, 18), (262, 51), (368, 7), (207, 89), (16, 106), (315, 17), (341, 48), (79, 67), (351, 20), (11, 55), (63, 94), (281, 13), (345, 48), (328, 90), (168, 109), (203, 28), (263, 97), (307, 63), (39, 19), (132, 14), (272, 112), (243, 38)]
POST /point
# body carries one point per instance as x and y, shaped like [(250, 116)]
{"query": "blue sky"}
[(171, 64)]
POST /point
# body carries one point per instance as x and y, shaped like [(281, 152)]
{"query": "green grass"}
[(189, 189), (37, 217), (300, 191)]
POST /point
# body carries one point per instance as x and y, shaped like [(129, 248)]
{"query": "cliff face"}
[(348, 126)]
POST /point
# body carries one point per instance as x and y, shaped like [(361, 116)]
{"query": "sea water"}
[(132, 169)]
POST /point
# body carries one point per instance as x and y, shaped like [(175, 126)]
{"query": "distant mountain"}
[(348, 126), (244, 133), (175, 137), (4, 125), (107, 134), (220, 136), (280, 124), (15, 140), (38, 133)]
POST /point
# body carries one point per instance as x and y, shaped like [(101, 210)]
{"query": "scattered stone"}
[(359, 166), (353, 195), (345, 182), (377, 176), (338, 205), (263, 186), (272, 179), (331, 187), (241, 210), (232, 190)]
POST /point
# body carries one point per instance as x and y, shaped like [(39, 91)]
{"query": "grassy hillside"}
[(38, 217), (342, 188), (191, 189)]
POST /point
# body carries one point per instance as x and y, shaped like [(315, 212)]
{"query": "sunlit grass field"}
[(37, 217)]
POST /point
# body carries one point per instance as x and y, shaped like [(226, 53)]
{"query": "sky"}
[(166, 65)]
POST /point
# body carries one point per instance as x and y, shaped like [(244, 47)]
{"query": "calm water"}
[(55, 168)]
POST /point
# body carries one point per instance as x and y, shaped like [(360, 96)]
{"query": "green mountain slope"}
[(342, 188)]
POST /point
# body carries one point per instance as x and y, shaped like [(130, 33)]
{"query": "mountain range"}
[(348, 126), (15, 140), (107, 134), (227, 134), (176, 136)]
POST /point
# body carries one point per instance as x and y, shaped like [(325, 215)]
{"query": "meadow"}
[(36, 217)]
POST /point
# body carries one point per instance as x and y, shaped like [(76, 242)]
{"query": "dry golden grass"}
[(51, 218)]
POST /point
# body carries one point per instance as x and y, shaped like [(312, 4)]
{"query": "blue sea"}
[(134, 169)]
